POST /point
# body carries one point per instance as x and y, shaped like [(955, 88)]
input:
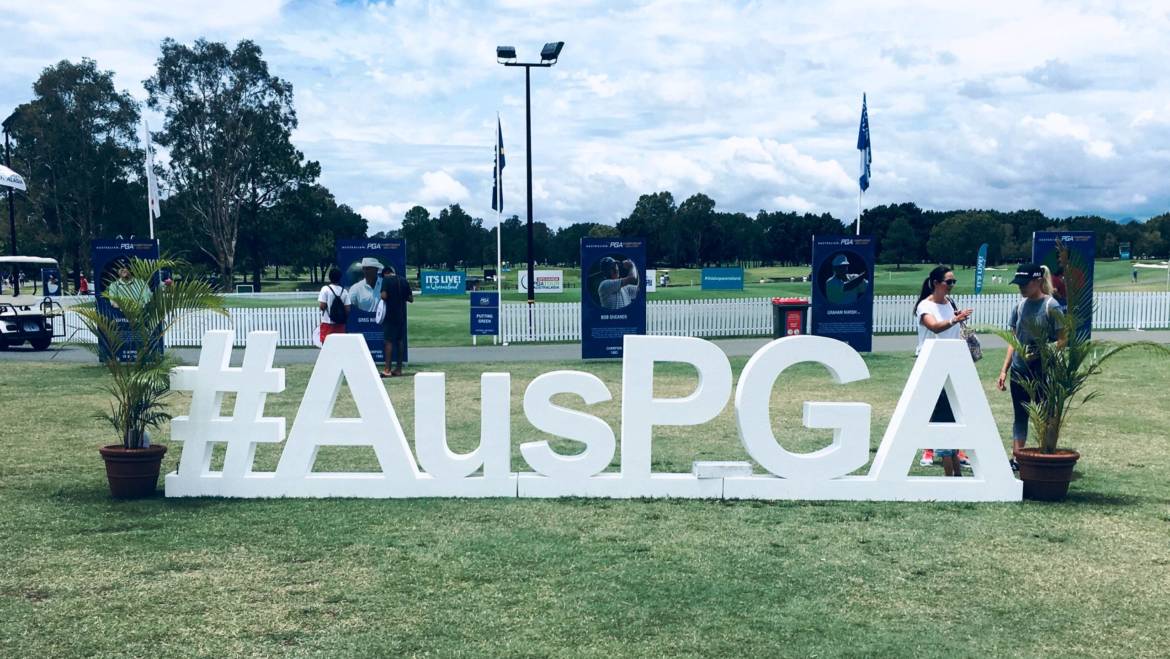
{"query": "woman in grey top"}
[(1036, 319)]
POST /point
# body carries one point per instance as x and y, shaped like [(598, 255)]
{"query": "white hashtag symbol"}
[(208, 382)]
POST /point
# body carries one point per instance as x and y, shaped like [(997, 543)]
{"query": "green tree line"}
[(695, 234)]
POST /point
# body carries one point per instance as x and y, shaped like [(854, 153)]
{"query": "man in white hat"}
[(366, 292)]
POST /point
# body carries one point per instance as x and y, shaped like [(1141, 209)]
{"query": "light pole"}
[(506, 55)]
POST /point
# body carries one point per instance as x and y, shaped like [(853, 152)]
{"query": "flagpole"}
[(499, 231), (149, 162)]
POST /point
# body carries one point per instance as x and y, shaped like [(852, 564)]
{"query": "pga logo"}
[(432, 469)]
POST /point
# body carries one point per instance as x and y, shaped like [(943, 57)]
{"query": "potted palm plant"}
[(130, 322), (1062, 383)]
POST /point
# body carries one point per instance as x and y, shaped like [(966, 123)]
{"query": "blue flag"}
[(497, 178), (863, 147), (980, 268)]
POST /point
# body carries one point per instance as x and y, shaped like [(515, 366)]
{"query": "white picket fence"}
[(892, 314), (552, 321)]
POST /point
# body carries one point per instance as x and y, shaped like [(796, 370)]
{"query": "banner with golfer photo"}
[(842, 289), (613, 294), (363, 263), (110, 258), (1082, 250), (50, 282)]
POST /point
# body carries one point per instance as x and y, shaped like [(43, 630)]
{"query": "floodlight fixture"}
[(506, 55), (551, 51)]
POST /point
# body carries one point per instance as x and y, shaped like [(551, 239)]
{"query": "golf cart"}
[(24, 314)]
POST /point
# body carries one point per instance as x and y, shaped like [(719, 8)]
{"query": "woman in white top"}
[(938, 318)]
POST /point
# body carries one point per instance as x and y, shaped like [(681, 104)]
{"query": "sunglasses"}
[(950, 282)]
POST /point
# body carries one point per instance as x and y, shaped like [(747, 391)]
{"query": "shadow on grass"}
[(1113, 499)]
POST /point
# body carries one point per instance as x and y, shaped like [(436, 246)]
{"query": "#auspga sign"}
[(434, 470)]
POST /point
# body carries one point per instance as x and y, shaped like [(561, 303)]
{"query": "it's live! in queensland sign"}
[(443, 283)]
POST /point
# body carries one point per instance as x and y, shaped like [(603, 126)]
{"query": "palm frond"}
[(140, 385), (1066, 367)]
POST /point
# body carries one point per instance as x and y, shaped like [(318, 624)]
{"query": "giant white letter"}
[(641, 411), (849, 421), (345, 357), (449, 473), (591, 431), (944, 364)]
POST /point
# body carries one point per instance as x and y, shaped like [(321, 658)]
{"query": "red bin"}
[(789, 316)]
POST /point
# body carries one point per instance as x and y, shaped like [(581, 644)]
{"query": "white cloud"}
[(793, 203), (1055, 124), (441, 188), (375, 214)]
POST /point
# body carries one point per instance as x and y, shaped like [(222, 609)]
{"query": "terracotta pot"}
[(1046, 475), (132, 472)]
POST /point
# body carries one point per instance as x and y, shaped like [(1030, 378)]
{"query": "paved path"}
[(522, 352)]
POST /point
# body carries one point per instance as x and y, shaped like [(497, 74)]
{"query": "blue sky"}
[(1060, 106)]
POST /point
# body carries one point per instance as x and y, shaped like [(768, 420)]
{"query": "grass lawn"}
[(85, 575)]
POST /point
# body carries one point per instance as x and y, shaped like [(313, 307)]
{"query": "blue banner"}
[(613, 294), (842, 291), (722, 279), (485, 314), (363, 263), (107, 256), (1082, 247), (980, 268), (51, 282), (443, 283)]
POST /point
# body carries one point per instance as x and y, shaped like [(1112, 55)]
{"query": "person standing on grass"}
[(396, 294), (1038, 318), (333, 317), (939, 318)]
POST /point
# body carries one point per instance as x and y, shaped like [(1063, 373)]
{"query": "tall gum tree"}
[(77, 145), (228, 130)]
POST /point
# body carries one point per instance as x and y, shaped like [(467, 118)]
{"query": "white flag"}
[(11, 179), (151, 183)]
